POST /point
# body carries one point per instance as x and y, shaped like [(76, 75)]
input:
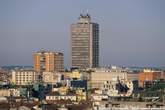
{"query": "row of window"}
[(61, 97)]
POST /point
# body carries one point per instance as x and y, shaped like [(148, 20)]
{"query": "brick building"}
[(148, 76)]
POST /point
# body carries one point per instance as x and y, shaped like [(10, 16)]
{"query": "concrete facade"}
[(48, 61), (50, 77), (24, 77), (9, 92), (85, 43), (61, 97), (148, 76), (132, 76), (99, 77)]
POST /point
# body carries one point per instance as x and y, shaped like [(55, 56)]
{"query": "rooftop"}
[(48, 52), (84, 18)]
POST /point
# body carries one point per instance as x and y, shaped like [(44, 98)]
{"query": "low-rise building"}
[(24, 77), (131, 76), (148, 76), (79, 84), (79, 91), (81, 94), (9, 92), (62, 90), (52, 97), (116, 89), (163, 75), (50, 77), (99, 97), (73, 75), (100, 76)]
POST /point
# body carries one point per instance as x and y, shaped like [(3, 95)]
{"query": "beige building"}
[(24, 77), (48, 61), (132, 76), (85, 43), (73, 75), (9, 92), (100, 76), (50, 77)]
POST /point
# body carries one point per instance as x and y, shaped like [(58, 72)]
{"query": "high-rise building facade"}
[(85, 43), (48, 61)]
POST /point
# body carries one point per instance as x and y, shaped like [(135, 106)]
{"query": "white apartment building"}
[(24, 77)]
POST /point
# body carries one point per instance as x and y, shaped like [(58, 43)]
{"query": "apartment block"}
[(45, 61), (24, 77)]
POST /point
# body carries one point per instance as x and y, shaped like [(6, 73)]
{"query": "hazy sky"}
[(132, 32)]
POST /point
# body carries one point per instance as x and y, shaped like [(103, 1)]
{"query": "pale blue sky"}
[(132, 32)]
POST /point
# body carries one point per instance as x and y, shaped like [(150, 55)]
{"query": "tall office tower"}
[(85, 43), (48, 61)]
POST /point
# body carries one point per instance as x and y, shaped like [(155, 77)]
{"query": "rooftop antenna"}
[(81, 12), (88, 15), (87, 11)]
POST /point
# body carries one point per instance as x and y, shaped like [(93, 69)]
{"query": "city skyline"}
[(132, 33)]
